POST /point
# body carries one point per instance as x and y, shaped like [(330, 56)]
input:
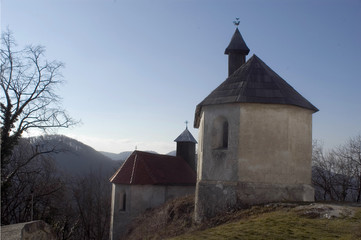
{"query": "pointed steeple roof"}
[(254, 82), (185, 136), (237, 44)]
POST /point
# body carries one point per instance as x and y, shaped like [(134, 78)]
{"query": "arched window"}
[(220, 130)]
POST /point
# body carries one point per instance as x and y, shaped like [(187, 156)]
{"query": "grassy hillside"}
[(283, 224), (272, 221)]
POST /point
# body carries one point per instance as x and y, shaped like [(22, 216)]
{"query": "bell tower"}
[(186, 147), (237, 51)]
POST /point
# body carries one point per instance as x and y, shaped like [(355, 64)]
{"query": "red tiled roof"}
[(143, 168)]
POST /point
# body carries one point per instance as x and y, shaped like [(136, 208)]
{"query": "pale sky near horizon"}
[(135, 70)]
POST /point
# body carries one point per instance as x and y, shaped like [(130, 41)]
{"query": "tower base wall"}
[(214, 197)]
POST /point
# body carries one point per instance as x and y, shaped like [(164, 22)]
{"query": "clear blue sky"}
[(135, 70)]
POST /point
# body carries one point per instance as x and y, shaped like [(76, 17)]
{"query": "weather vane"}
[(186, 122), (236, 23)]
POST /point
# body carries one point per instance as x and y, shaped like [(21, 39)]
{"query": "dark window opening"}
[(220, 133), (225, 135), (122, 202)]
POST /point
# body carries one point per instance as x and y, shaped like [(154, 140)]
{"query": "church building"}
[(147, 180), (255, 138), (255, 146)]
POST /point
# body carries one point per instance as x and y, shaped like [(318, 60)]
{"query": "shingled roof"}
[(143, 168), (254, 82), (185, 136), (237, 44)]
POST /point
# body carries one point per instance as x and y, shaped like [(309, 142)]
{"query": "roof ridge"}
[(283, 89), (133, 169), (244, 84), (119, 169), (145, 164)]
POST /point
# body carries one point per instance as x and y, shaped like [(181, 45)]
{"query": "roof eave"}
[(239, 51), (197, 115)]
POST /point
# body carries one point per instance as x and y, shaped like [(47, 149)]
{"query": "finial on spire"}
[(236, 23), (186, 122)]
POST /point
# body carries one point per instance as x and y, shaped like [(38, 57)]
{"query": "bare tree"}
[(33, 189), (350, 154), (322, 176), (337, 173), (92, 199), (28, 98)]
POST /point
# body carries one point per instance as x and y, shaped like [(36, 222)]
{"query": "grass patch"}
[(283, 224), (174, 220)]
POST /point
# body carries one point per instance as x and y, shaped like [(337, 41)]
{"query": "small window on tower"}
[(122, 201), (220, 133), (225, 135)]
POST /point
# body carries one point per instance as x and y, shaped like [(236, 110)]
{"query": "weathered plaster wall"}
[(217, 166), (138, 199), (275, 144), (268, 157), (218, 163), (118, 217)]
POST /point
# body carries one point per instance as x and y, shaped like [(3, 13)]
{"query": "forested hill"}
[(117, 156), (76, 158)]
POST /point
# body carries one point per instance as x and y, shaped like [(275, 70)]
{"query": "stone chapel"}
[(255, 138), (255, 146)]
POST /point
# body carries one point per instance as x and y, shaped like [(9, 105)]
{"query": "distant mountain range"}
[(117, 156), (124, 155), (76, 158)]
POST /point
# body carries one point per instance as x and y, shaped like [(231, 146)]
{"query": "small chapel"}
[(254, 146), (255, 138), (147, 180)]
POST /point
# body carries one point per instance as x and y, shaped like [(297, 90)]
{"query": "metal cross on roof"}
[(186, 122), (236, 23)]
